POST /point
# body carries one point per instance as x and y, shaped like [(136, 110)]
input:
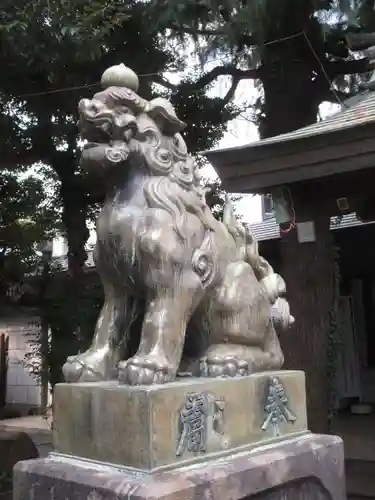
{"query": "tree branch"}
[(210, 76), (232, 90), (196, 31), (13, 159), (331, 96), (239, 74), (336, 68), (164, 83)]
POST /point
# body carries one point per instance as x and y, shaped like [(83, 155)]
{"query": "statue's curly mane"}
[(169, 164), (174, 183)]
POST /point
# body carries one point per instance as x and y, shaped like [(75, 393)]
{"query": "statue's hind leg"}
[(231, 360), (244, 339)]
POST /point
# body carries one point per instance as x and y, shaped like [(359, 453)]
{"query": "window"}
[(267, 206)]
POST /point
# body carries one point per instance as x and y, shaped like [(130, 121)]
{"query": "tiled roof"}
[(269, 229)]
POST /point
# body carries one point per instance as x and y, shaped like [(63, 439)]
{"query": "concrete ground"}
[(358, 433)]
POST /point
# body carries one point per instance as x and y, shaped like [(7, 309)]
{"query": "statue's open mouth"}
[(90, 145), (100, 137), (96, 135)]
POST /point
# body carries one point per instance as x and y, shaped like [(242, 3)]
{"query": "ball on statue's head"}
[(120, 76)]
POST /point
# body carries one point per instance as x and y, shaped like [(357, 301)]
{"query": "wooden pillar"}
[(308, 269)]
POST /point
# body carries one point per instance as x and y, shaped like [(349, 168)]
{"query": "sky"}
[(239, 133)]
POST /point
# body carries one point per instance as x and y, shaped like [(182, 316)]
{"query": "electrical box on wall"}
[(306, 232), (342, 204)]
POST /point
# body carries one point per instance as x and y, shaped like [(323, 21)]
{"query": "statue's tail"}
[(235, 228), (273, 283), (245, 241)]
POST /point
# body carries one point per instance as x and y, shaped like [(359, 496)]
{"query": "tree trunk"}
[(74, 219), (44, 337), (289, 101), (3, 284), (308, 269), (293, 84), (65, 339), (288, 66)]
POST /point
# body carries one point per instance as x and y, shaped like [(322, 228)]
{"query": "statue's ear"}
[(162, 111)]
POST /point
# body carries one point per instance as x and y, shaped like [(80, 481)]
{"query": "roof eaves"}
[(355, 115)]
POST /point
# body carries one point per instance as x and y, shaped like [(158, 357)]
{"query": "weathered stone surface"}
[(140, 426), (309, 467), (199, 283)]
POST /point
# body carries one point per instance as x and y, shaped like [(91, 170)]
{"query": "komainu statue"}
[(180, 286)]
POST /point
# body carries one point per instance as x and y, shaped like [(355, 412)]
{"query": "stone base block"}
[(308, 467), (157, 427)]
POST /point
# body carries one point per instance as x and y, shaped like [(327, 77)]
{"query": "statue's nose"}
[(82, 104)]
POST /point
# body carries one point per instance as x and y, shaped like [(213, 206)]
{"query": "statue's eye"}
[(123, 110)]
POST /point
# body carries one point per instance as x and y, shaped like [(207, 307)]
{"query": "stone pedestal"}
[(154, 427), (195, 438), (304, 468)]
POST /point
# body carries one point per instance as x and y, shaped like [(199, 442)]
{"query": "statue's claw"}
[(144, 370), (72, 369), (90, 366), (223, 367)]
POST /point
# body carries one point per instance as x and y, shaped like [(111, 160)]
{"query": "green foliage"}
[(215, 198), (296, 49), (6, 479), (71, 317), (258, 19), (206, 117), (366, 15), (26, 220)]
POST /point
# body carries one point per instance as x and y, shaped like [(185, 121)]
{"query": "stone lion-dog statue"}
[(180, 286)]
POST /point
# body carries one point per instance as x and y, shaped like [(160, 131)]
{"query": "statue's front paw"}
[(90, 366), (144, 370), (78, 371), (217, 366), (73, 369)]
